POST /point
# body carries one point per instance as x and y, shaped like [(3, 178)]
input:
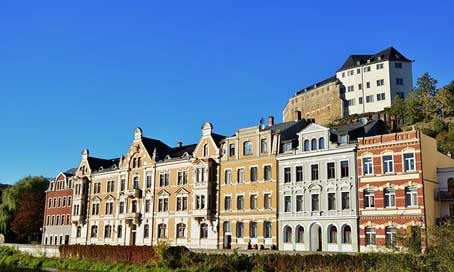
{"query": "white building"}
[(317, 193), (371, 82)]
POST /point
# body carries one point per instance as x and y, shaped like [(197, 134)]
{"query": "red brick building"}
[(397, 178), (57, 214)]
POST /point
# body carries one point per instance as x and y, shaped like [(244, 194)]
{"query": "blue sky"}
[(86, 73)]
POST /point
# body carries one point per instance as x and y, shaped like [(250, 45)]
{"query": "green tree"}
[(398, 108), (443, 100), (413, 112), (426, 83)]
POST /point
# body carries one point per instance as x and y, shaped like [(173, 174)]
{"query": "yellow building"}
[(321, 101), (248, 185)]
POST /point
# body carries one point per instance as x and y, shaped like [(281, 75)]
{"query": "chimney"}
[(298, 115), (179, 144), (270, 121)]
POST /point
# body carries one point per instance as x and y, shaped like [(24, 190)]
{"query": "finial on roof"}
[(138, 133), (85, 153)]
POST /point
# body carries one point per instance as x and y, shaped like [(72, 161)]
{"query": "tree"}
[(426, 83), (27, 221), (398, 108), (413, 108), (443, 100)]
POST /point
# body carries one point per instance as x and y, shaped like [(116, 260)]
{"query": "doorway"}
[(316, 237)]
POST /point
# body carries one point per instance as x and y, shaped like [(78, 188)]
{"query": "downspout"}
[(423, 192)]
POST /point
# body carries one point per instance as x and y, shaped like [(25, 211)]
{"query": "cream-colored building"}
[(248, 201)]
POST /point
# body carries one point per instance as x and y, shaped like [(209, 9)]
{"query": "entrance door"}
[(133, 235), (316, 238)]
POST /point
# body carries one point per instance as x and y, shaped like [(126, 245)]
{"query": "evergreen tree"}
[(427, 84), (443, 100)]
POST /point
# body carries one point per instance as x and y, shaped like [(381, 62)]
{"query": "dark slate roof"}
[(318, 84), (70, 172), (390, 54), (161, 148), (288, 130), (359, 129), (97, 163), (177, 152), (218, 138)]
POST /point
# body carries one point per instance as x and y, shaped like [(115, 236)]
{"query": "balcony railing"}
[(135, 192), (443, 194), (133, 217)]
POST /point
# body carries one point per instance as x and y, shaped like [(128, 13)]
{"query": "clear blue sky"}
[(86, 73)]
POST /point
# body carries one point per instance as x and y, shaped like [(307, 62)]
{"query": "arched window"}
[(94, 231), (306, 145), (134, 163), (247, 148), (332, 234), (299, 234), (321, 143), (314, 144), (204, 230), (181, 229), (347, 234), (136, 183), (162, 231), (205, 150), (239, 230), (287, 234), (227, 227), (139, 161)]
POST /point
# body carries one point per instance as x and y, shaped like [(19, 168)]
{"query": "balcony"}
[(134, 193), (443, 194), (132, 217), (200, 214), (78, 219)]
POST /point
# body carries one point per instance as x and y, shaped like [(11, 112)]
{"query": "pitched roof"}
[(70, 172), (288, 130), (97, 163), (318, 84), (217, 138), (359, 129), (178, 152), (390, 54), (161, 148)]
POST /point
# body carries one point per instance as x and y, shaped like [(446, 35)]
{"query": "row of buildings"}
[(296, 185)]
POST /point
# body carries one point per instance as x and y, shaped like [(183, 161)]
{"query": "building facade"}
[(57, 213), (317, 194), (397, 178), (444, 194)]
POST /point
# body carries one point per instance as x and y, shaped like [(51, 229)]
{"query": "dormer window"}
[(287, 147), (205, 150), (343, 139)]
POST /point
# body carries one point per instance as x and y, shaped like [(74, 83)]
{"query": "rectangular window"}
[(331, 170), (390, 198), (240, 202), (345, 200), (388, 166), (253, 202), (121, 209), (351, 102), (287, 204), (368, 85), (123, 184), (344, 169), (368, 166), (380, 96), (232, 150), (263, 146), (315, 202), (360, 86), (182, 177), (398, 65), (409, 162), (367, 69), (287, 174), (253, 174), (240, 175), (379, 66), (350, 88), (227, 203), (411, 197), (267, 229), (370, 236), (267, 201), (299, 173), (360, 100), (380, 82), (314, 172), (299, 203), (331, 201), (267, 172), (369, 99), (247, 148), (228, 176), (399, 81), (369, 199)]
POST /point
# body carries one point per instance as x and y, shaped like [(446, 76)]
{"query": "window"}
[(351, 102), (149, 180), (227, 227), (205, 150), (146, 231), (306, 145), (247, 148), (139, 159), (110, 186), (388, 164), (64, 202), (287, 204), (369, 99), (367, 69), (390, 197), (350, 88), (370, 236), (263, 146), (344, 169), (232, 150), (380, 96), (287, 234), (299, 203), (200, 202), (287, 147), (163, 204), (368, 167), (240, 202), (360, 86), (162, 231), (315, 202), (379, 66), (332, 234), (321, 143), (368, 85), (95, 209), (409, 162), (227, 203), (122, 208), (119, 231), (253, 174), (253, 202), (78, 231), (345, 200), (267, 201), (369, 199), (122, 184), (347, 235), (331, 171), (200, 174), (253, 230), (49, 203), (411, 197), (108, 231), (267, 227), (360, 100), (228, 176), (239, 230), (181, 229), (134, 206), (182, 177), (299, 234), (287, 174), (267, 172), (398, 65), (390, 237), (399, 81), (57, 219), (203, 230), (331, 201), (109, 208), (314, 172), (380, 82), (240, 176), (313, 144), (163, 179), (299, 173), (147, 205), (182, 203)]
